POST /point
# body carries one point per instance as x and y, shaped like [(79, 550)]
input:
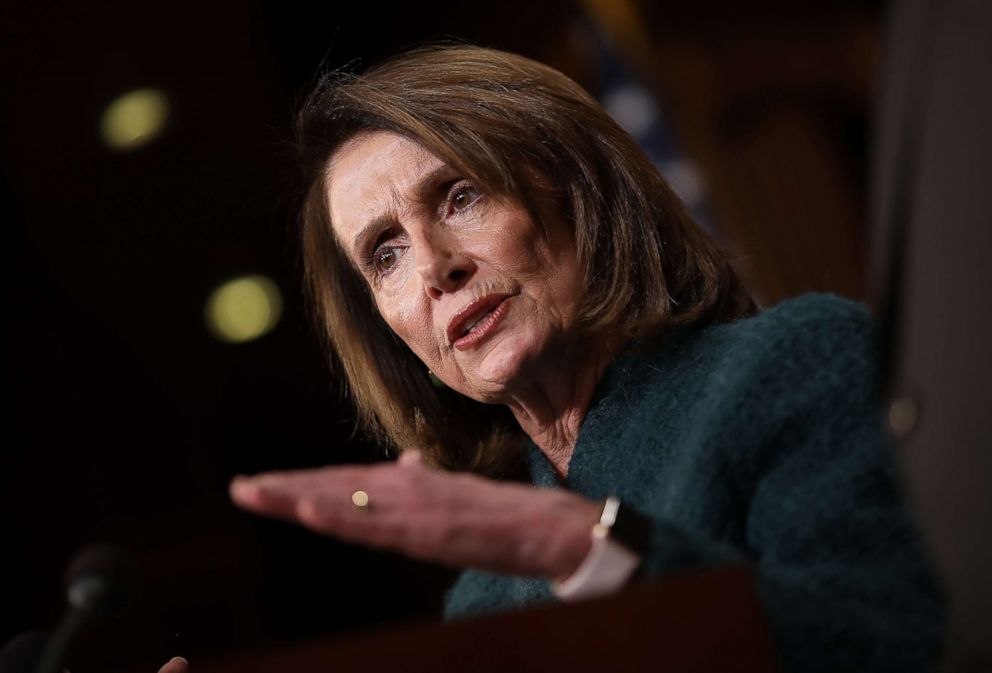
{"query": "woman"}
[(510, 288)]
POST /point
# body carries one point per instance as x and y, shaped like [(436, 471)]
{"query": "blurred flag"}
[(641, 114)]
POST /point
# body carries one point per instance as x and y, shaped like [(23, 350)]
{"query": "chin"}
[(507, 362)]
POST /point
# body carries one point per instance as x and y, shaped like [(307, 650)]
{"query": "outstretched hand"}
[(459, 520)]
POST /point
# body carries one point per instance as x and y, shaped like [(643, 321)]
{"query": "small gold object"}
[(360, 499)]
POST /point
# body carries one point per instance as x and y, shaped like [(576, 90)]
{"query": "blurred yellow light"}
[(243, 309), (134, 119)]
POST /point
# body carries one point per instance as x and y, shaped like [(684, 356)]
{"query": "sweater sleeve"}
[(840, 571)]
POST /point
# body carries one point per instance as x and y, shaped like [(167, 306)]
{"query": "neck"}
[(552, 403)]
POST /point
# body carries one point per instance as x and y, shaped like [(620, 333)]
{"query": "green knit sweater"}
[(759, 441)]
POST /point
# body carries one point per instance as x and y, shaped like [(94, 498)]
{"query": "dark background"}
[(124, 419)]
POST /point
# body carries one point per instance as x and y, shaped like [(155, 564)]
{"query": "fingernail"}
[(239, 488), (181, 660)]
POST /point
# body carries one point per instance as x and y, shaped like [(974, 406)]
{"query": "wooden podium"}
[(694, 621)]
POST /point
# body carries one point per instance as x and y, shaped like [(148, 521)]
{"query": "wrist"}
[(617, 544), (575, 543)]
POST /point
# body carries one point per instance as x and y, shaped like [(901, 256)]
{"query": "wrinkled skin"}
[(430, 243)]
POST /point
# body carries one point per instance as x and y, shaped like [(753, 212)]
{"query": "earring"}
[(435, 381)]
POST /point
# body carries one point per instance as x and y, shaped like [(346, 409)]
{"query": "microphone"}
[(100, 580), (99, 583)]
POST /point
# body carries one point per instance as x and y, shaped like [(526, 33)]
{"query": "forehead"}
[(372, 175)]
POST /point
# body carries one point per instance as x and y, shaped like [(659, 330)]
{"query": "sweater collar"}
[(621, 382)]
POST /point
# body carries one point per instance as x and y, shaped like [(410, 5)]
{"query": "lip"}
[(493, 304)]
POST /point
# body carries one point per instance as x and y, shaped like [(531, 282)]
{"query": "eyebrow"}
[(370, 231), (423, 190)]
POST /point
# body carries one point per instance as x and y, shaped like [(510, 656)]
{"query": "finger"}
[(256, 495), (322, 500), (299, 480), (175, 665), (281, 494)]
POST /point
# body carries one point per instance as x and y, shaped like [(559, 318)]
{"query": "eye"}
[(462, 196), (385, 257)]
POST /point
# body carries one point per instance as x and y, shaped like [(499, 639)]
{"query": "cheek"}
[(547, 267), (515, 246), (411, 322)]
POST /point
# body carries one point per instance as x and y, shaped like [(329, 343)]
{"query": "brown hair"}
[(497, 117)]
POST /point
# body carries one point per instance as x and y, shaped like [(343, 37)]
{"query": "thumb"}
[(175, 665)]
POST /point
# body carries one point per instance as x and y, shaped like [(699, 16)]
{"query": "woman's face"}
[(468, 281)]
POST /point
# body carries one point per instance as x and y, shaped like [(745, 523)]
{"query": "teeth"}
[(472, 326)]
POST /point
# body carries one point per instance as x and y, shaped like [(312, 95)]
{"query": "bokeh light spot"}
[(243, 309), (134, 119)]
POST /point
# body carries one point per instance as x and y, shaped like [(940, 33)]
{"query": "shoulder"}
[(736, 384), (817, 322), (808, 341), (814, 352), (812, 320), (816, 340)]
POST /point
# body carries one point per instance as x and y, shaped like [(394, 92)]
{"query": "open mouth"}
[(477, 320)]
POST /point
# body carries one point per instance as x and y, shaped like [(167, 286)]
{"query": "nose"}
[(442, 266)]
